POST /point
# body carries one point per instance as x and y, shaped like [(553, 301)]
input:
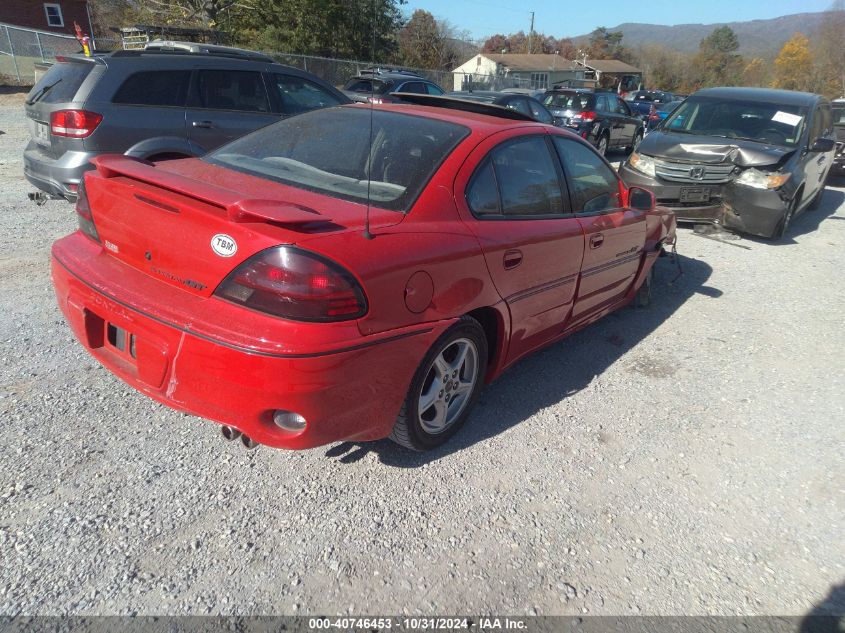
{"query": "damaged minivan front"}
[(746, 158)]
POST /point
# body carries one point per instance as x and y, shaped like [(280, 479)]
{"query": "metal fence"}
[(21, 49)]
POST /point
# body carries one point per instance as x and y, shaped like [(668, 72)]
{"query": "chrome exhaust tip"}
[(248, 442), (230, 432)]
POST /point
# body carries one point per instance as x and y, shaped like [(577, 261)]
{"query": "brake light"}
[(83, 213), (295, 284), (586, 116), (74, 123)]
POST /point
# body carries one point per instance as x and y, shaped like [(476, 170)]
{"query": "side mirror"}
[(641, 199), (823, 145)]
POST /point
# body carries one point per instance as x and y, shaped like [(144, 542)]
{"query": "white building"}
[(516, 70)]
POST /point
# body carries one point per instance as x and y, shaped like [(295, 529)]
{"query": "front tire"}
[(635, 142), (783, 225), (444, 388)]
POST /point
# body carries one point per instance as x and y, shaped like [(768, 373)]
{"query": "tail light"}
[(586, 116), (295, 284), (74, 123), (83, 213)]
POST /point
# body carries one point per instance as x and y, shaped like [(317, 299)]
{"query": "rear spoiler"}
[(237, 209)]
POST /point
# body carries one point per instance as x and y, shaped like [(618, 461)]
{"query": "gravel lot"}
[(681, 459)]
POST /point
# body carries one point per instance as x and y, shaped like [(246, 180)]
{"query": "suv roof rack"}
[(454, 103), (383, 70), (195, 48)]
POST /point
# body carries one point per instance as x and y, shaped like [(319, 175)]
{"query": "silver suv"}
[(172, 100)]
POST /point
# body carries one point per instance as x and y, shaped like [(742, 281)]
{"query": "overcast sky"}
[(565, 19)]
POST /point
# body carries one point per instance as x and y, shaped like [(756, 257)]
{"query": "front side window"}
[(297, 95), (357, 154), (593, 186), (232, 90), (154, 88), (518, 179), (622, 108), (54, 15), (414, 87), (539, 112), (433, 89), (519, 105)]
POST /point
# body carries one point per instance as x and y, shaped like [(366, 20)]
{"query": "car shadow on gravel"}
[(561, 370)]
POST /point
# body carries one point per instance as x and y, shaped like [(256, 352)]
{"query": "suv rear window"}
[(568, 101), (154, 88), (60, 83), (334, 151)]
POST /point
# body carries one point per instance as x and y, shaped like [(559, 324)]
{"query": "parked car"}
[(602, 118), (351, 273), (750, 159), (162, 103), (515, 101), (838, 107), (536, 93), (658, 112), (640, 101), (376, 86)]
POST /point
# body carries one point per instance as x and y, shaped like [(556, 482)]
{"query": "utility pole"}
[(530, 32)]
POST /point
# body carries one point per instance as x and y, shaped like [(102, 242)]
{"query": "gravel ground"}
[(681, 459)]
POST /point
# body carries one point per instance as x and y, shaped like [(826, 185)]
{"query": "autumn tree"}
[(540, 43), (756, 73), (420, 42), (828, 52), (794, 65)]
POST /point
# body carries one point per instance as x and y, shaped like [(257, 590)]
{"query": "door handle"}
[(596, 240), (512, 259), (203, 124)]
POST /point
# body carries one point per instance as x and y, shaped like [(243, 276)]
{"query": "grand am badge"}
[(224, 245)]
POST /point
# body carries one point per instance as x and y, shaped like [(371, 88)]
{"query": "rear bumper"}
[(349, 389), (57, 177), (744, 209)]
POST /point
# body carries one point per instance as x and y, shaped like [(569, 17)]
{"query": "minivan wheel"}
[(444, 388), (783, 225)]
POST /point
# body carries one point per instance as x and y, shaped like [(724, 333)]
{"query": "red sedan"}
[(352, 273)]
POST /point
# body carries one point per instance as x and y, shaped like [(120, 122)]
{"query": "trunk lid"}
[(178, 223)]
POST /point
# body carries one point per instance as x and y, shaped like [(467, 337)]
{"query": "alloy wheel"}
[(448, 386)]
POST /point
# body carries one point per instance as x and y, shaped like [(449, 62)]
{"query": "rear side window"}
[(519, 104), (592, 185), (433, 90), (297, 95), (367, 85), (154, 88), (60, 83), (523, 181), (232, 90)]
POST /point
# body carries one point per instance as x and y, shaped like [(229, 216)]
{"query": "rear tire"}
[(444, 388), (602, 145)]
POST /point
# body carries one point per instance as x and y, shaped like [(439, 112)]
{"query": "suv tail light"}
[(586, 116), (83, 213), (295, 284), (74, 123)]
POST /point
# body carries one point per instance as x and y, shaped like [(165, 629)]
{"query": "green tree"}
[(717, 62), (606, 44), (794, 65)]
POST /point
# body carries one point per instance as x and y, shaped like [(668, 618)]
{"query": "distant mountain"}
[(757, 37)]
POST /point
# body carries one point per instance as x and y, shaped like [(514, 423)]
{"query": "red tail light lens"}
[(74, 123), (83, 213), (295, 284), (586, 116)]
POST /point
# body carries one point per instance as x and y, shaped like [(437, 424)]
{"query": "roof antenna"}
[(367, 234)]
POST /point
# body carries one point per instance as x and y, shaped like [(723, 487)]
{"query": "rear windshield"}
[(567, 101), (60, 83), (769, 123), (334, 151), (370, 86)]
